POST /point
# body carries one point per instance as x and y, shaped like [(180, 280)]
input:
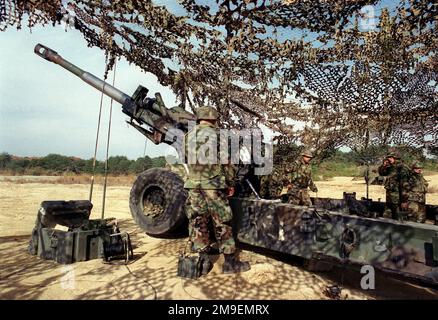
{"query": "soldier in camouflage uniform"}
[(299, 179), (417, 194), (209, 183), (396, 185)]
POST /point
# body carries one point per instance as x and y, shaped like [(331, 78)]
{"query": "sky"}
[(45, 109)]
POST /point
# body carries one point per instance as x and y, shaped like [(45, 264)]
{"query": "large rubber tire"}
[(157, 201)]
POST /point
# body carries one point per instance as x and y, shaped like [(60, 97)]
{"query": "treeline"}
[(337, 163), (354, 164), (55, 164)]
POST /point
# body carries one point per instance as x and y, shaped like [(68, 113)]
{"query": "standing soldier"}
[(209, 183), (417, 194), (396, 185), (300, 178)]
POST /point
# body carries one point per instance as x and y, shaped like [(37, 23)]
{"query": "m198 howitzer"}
[(335, 231), (148, 115)]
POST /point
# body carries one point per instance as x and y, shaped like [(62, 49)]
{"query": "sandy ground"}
[(152, 275)]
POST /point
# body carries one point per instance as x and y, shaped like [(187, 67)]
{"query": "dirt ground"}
[(152, 275)]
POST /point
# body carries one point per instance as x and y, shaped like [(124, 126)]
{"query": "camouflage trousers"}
[(416, 211), (392, 206), (202, 207), (299, 197)]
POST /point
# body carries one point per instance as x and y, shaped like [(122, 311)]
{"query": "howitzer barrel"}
[(109, 90), (148, 115)]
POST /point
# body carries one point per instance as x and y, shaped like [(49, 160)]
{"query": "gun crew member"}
[(209, 184), (300, 179), (396, 185), (417, 194)]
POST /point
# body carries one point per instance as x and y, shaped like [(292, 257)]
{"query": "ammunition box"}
[(67, 247)]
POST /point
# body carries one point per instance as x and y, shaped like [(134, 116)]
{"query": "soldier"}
[(397, 176), (417, 194), (272, 184), (300, 178), (209, 184)]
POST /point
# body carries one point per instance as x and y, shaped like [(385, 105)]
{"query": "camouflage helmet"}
[(417, 165), (307, 153), (393, 154), (206, 113)]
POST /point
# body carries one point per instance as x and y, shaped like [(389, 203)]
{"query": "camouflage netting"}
[(349, 80)]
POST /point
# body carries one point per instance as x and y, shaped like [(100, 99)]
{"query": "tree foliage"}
[(59, 164)]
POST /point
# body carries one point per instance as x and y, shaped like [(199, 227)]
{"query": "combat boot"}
[(207, 265), (232, 265)]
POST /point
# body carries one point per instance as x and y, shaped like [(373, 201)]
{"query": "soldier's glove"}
[(314, 189)]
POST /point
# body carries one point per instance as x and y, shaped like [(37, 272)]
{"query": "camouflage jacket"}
[(417, 188), (272, 184), (203, 160), (397, 176), (300, 175)]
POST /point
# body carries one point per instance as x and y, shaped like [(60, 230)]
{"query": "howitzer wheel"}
[(157, 201)]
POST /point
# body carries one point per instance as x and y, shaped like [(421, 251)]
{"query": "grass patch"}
[(127, 180), (330, 169), (85, 179)]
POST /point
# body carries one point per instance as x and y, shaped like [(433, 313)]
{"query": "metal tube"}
[(106, 88), (102, 86)]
